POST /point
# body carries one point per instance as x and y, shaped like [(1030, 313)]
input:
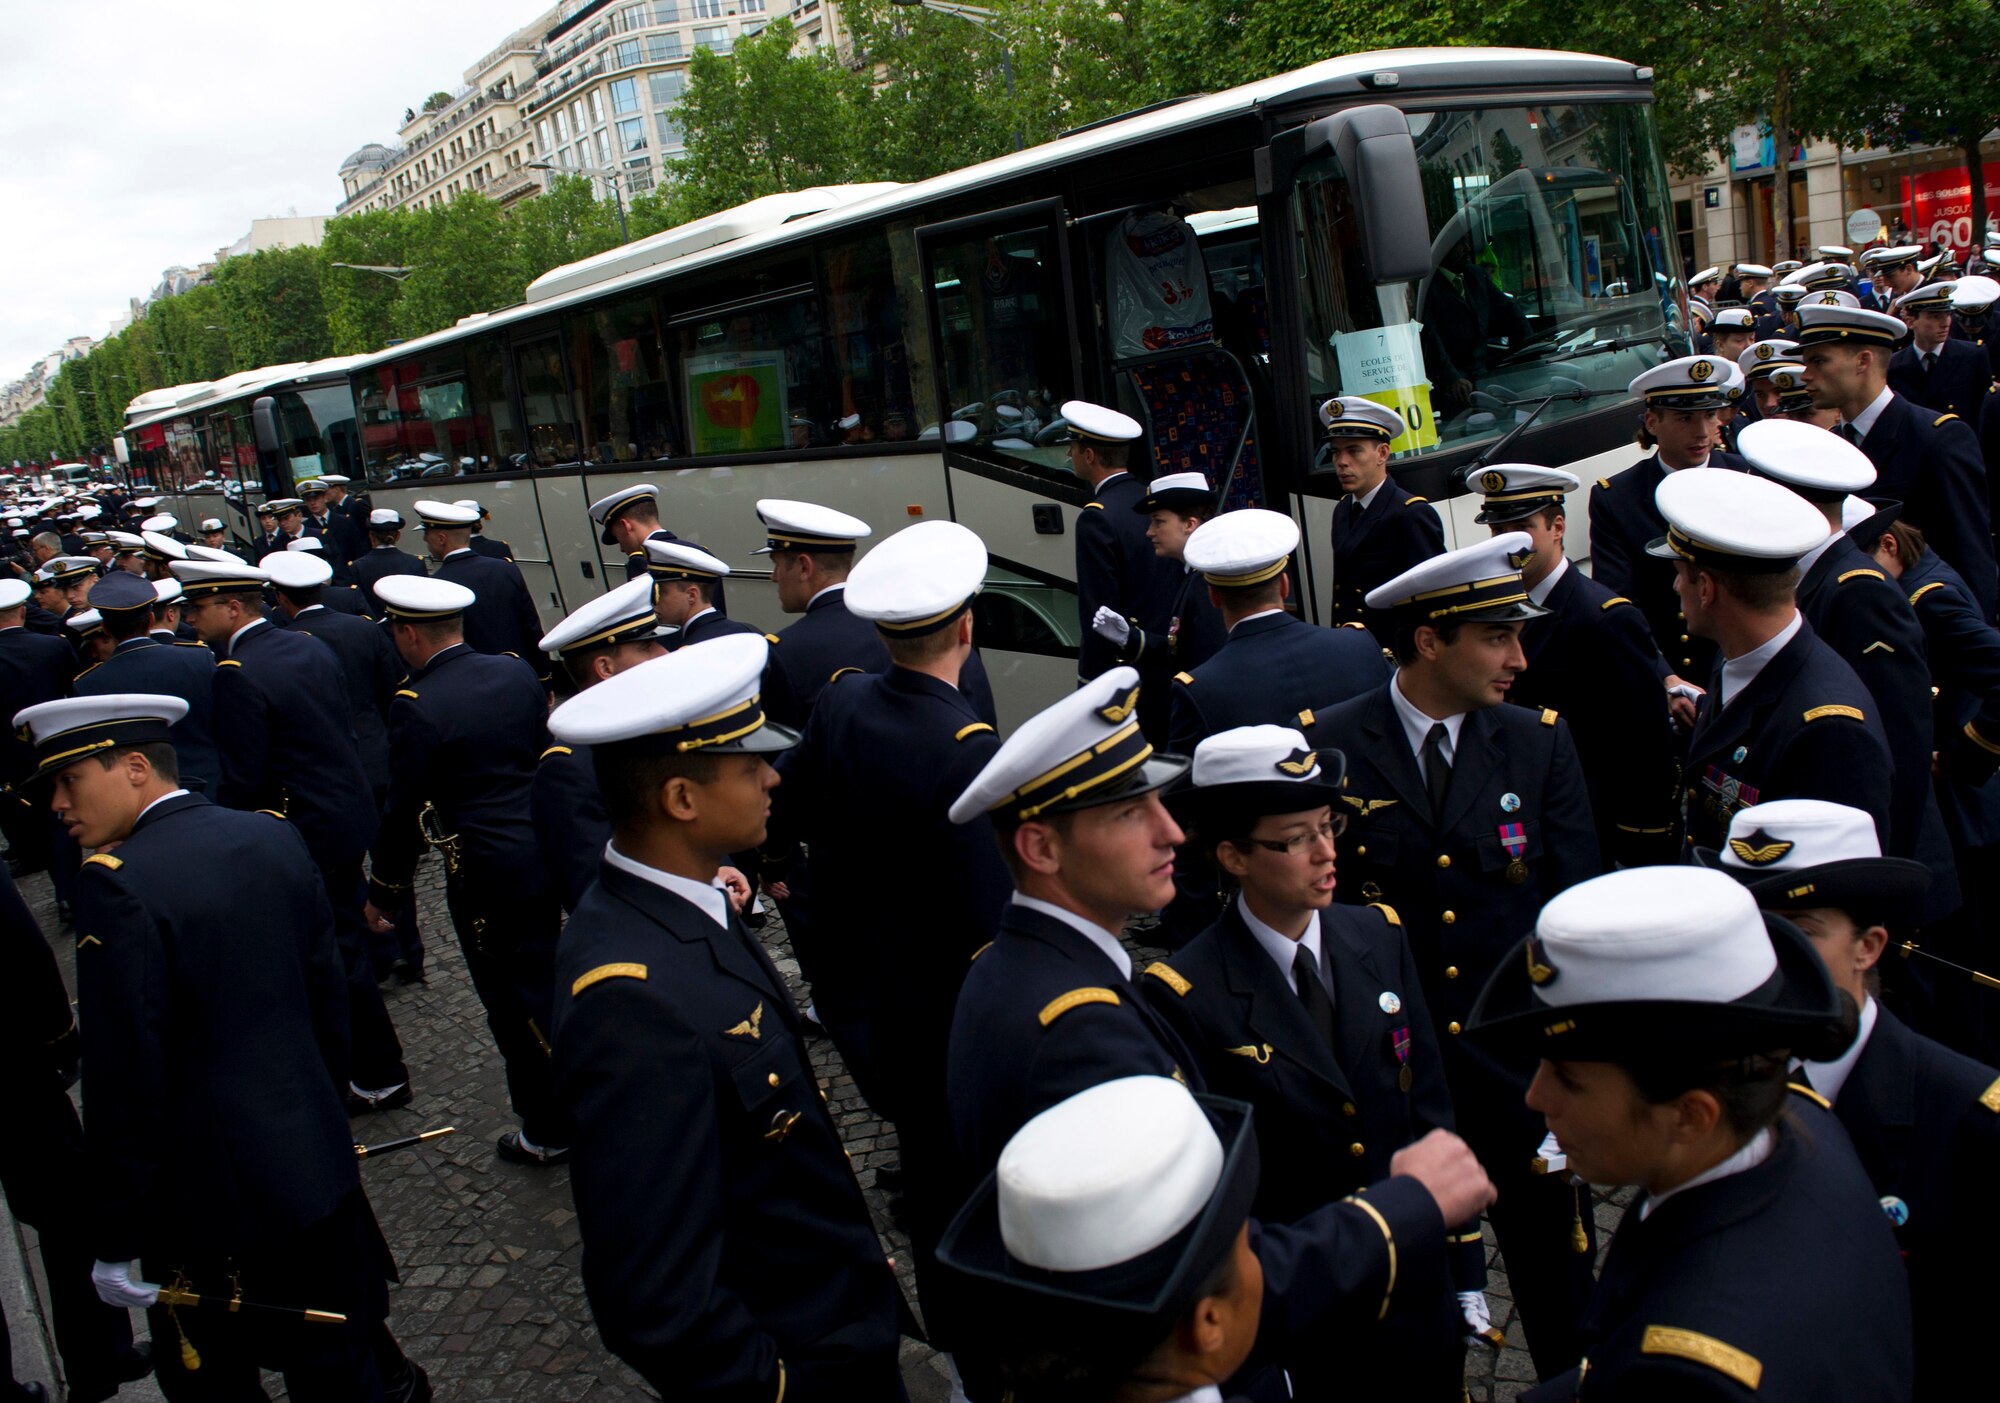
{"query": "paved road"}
[(491, 1301)]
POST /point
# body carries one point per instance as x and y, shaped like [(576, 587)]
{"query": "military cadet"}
[(627, 519), (727, 1252), (502, 617), (75, 574), (128, 551), (464, 732), (1858, 613), (1050, 1009), (1172, 507), (385, 557), (1784, 716), (1379, 530), (1892, 271), (168, 626), (1757, 365), (189, 1071), (1707, 284), (52, 599), (613, 632), (160, 554), (1755, 281), (1661, 1010), (812, 549), (288, 748), (1591, 658), (1273, 665), (1467, 815), (1789, 294), (881, 761), (1312, 1013), (290, 515), (1972, 299), (686, 579), (340, 537), (1930, 463), (213, 534), (34, 668), (1683, 398), (93, 644), (1733, 330), (1117, 573), (481, 542), (349, 504), (1936, 369), (1925, 1120), (139, 662), (268, 537), (1700, 316)]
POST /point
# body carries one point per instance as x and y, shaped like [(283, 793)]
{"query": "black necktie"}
[(1312, 993), (1847, 432), (1437, 769), (1929, 359)]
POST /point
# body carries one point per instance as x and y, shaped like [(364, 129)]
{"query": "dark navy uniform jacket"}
[(1623, 520), (288, 742), (1592, 658), (828, 640), (1964, 654), (1779, 1285), (1926, 1123), (727, 1251), (1273, 668), (486, 545), (571, 826), (1193, 635), (42, 1170), (187, 671), (1932, 464), (34, 668), (502, 618), (1805, 728), (380, 562), (1958, 381), (369, 663), (464, 734), (1770, 321), (1372, 547), (1329, 1119), (342, 539), (1116, 568), (710, 623), (216, 1036), (1045, 1014)]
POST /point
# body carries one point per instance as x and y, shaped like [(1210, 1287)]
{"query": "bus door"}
[(1004, 355), (545, 436)]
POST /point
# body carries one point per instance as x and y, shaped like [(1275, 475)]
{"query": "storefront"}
[(1924, 195)]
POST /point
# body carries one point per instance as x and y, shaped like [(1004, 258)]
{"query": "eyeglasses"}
[(1299, 842)]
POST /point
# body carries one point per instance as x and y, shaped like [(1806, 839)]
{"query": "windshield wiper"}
[(1506, 440), (1617, 343)]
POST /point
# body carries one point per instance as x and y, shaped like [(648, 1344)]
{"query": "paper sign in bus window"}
[(1386, 364), (738, 401)]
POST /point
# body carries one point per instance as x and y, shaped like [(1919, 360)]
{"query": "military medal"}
[(1389, 1003), (1514, 838), (1742, 754), (1370, 892), (1897, 1211), (1399, 1043), (1509, 803)]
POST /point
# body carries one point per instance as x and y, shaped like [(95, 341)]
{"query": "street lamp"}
[(611, 178), (392, 273), (985, 19)]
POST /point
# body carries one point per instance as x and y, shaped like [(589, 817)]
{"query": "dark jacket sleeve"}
[(1959, 529), (1569, 832), (243, 724), (530, 624), (1348, 1264), (399, 846), (1096, 586), (1613, 560), (37, 1028), (1186, 728), (1964, 657), (571, 827)]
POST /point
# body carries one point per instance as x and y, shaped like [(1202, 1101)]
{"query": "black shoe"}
[(407, 973), (414, 1386), (65, 913), (359, 1105), (509, 1147), (135, 1365), (26, 866)]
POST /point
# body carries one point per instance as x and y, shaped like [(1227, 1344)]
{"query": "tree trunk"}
[(1781, 175), (1976, 169)]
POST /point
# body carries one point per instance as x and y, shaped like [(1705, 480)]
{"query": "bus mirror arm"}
[(264, 421), (1376, 152)]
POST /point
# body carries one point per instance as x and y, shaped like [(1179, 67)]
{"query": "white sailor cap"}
[(167, 591), (384, 519), (1822, 324), (954, 431), (449, 516), (303, 543), (93, 538), (1354, 416), (210, 524), (71, 567), (682, 560), (702, 697), (1735, 319), (1924, 265), (472, 505), (918, 580), (422, 597), (1835, 253), (126, 542), (1764, 355), (1709, 274), (1699, 309), (279, 506), (1251, 771), (807, 526), (14, 593), (1085, 750), (295, 569), (19, 531), (335, 479), (269, 509), (1973, 293), (1821, 467), (47, 575), (1930, 297), (1095, 423), (606, 509), (66, 731), (165, 521), (1880, 260), (1790, 294), (1825, 276), (1798, 854), (85, 622), (205, 577), (1242, 548), (1479, 583), (1752, 270), (1512, 491), (622, 615), (1689, 382), (145, 503), (1735, 521), (1186, 493), (311, 487), (201, 552)]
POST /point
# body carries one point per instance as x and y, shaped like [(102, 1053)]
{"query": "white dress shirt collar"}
[(1753, 1153), (1282, 948), (1364, 500), (706, 897), (1829, 1077), (1738, 673), (838, 584), (1417, 725), (1865, 420), (1097, 935), (176, 793), (1811, 557), (1538, 595), (230, 648), (1248, 617), (688, 622)]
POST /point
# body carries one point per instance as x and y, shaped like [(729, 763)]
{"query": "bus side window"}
[(622, 392)]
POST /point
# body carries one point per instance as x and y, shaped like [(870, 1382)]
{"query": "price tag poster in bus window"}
[(738, 401), (1386, 364)]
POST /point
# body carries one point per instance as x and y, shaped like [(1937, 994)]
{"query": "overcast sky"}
[(138, 136)]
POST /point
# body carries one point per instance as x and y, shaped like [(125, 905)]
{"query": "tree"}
[(437, 102), (461, 256), (564, 223), (272, 306), (361, 306)]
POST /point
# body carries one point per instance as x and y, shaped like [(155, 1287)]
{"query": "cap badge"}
[(1765, 350), (1539, 972), (1389, 1003), (1519, 559), (1829, 299), (1119, 710), (1493, 481), (1509, 802), (1300, 763), (1895, 1210), (1701, 371), (1760, 849)]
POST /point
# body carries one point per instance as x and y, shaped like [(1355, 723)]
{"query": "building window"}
[(661, 47), (751, 7), (562, 124), (625, 96), (603, 149), (626, 54), (597, 106), (668, 87), (666, 11), (631, 134), (713, 37), (576, 111), (634, 18), (670, 132)]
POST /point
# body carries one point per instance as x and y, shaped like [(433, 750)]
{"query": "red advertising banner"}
[(1944, 205)]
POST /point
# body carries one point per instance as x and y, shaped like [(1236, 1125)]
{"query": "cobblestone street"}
[(492, 1301)]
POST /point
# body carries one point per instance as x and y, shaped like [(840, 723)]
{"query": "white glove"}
[(117, 1287), (1478, 1318), (1686, 689), (1110, 624)]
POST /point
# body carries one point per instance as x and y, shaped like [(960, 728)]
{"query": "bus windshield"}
[(1550, 272)]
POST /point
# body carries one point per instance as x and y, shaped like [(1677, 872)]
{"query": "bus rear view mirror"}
[(264, 422), (1374, 148)]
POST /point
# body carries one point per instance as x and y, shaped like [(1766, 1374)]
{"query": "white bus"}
[(1462, 233)]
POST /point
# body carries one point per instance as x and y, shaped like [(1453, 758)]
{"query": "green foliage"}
[(564, 223), (437, 102)]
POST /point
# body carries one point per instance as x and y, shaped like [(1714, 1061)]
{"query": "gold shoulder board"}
[(1075, 998), (228, 662), (94, 666), (1923, 590), (1353, 625), (406, 692), (1614, 599), (980, 951), (1186, 679), (1388, 912), (1726, 1360), (1798, 1089), (770, 638), (1941, 418), (1604, 482), (1412, 501), (972, 730), (1820, 713), (1088, 505), (1170, 977), (1990, 1098), (1859, 575), (839, 673), (1306, 719), (104, 860), (1548, 717), (603, 972), (1972, 734), (555, 750)]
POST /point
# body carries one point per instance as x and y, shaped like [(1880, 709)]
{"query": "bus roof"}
[(1352, 75), (206, 394)]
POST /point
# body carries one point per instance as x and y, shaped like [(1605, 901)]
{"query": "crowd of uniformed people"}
[(1512, 881)]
